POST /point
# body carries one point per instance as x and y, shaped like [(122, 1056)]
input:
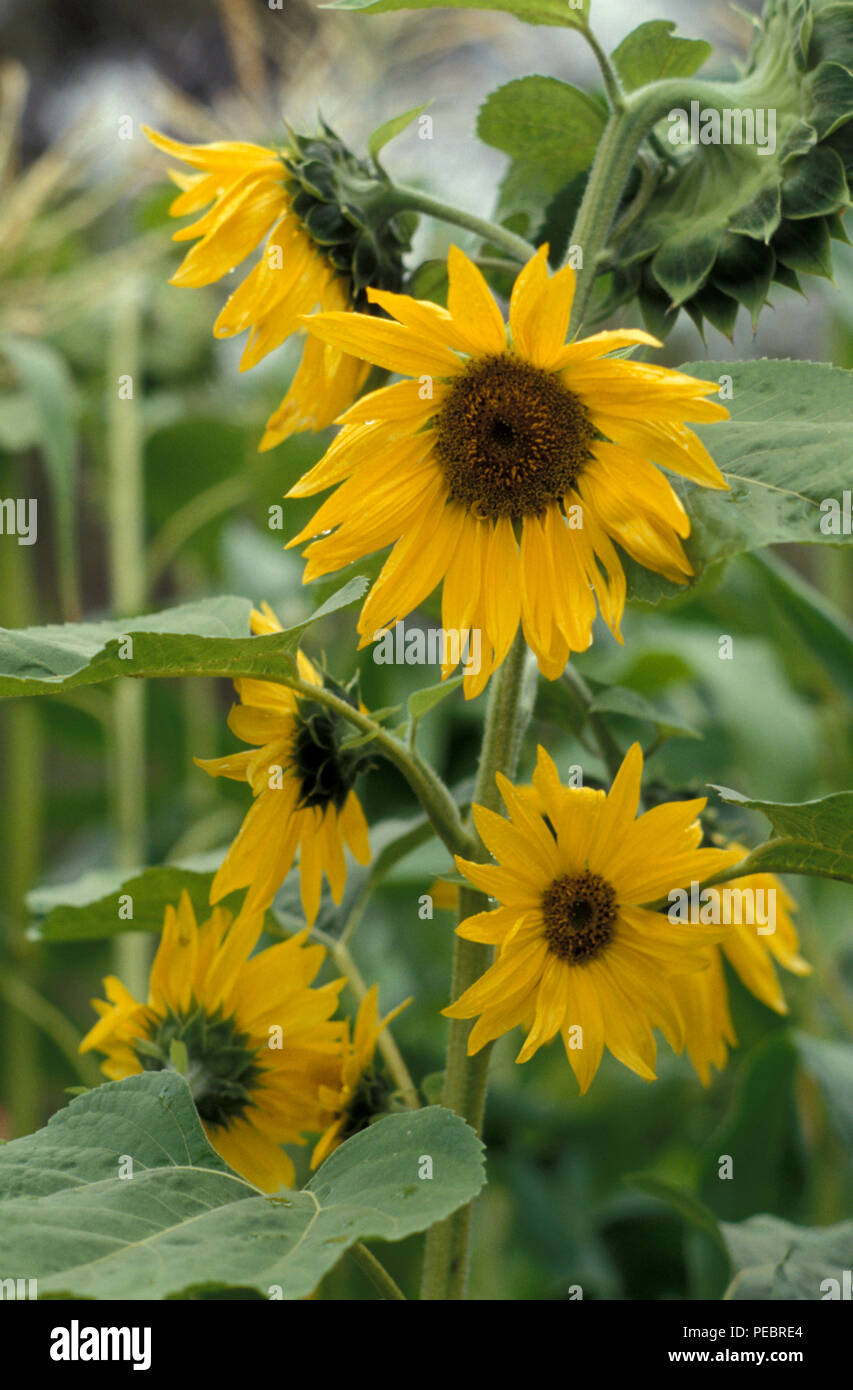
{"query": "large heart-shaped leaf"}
[(812, 837), (777, 1260), (184, 1221), (784, 451), (194, 639)]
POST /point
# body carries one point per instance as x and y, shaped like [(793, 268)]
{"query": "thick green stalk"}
[(23, 791), (127, 584), (515, 246), (615, 157), (376, 1272), (447, 1252)]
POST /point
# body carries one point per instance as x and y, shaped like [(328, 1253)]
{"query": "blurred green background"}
[(154, 501)]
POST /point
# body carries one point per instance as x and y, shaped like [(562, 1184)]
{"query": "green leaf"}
[(87, 908), (650, 53), (688, 1206), (812, 837), (424, 700), (760, 1133), (209, 637), (777, 1260), (772, 1259), (783, 452), (70, 1221), (545, 123), (777, 186), (566, 13), (616, 699), (831, 1064), (389, 129), (815, 621)]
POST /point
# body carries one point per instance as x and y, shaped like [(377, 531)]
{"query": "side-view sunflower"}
[(260, 1041), (578, 953), (361, 1090), (751, 954), (302, 783), (505, 468), (246, 191)]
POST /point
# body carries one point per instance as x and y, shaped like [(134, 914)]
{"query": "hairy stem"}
[(446, 1257), (492, 232), (376, 1272)]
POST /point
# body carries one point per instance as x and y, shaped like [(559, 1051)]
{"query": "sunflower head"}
[(580, 953), (321, 758), (253, 1037), (761, 935), (508, 467), (362, 1092), (340, 201)]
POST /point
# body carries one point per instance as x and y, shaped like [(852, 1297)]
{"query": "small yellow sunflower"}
[(750, 952), (260, 1043), (360, 1090), (302, 784), (243, 188), (505, 470), (578, 953)]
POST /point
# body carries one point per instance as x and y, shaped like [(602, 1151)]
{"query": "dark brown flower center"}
[(580, 915), (511, 438)]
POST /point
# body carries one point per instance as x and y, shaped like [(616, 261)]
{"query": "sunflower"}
[(505, 470), (302, 784), (360, 1090), (751, 953), (578, 953), (243, 188), (260, 1043)]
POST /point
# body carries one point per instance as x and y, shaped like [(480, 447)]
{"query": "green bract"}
[(726, 219), (342, 203)]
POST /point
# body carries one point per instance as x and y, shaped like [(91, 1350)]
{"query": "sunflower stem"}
[(406, 198), (376, 1272), (614, 159), (446, 1257), (610, 77), (125, 498), (611, 753)]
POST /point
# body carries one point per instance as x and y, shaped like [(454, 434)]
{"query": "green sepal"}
[(691, 241)]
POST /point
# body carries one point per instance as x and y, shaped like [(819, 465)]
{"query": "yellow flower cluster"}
[(506, 465)]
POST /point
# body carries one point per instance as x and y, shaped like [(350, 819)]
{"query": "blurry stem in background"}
[(127, 585), (447, 1251), (611, 754), (32, 1006), (376, 1272), (23, 764), (201, 711), (183, 523), (245, 46)]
